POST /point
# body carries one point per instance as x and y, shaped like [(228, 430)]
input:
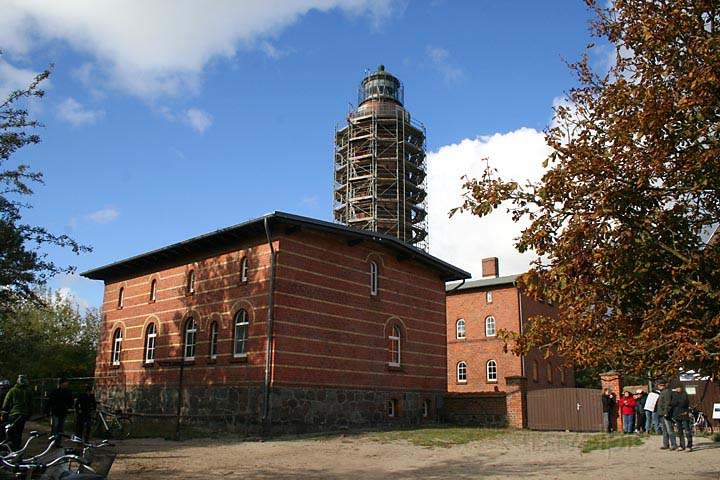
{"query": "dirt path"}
[(515, 455)]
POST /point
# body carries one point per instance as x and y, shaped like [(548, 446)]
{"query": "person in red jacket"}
[(626, 406)]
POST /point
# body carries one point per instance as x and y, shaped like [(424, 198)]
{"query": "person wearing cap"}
[(60, 401), (681, 418), (664, 409), (18, 405)]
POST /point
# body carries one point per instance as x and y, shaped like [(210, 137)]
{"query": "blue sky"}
[(159, 128)]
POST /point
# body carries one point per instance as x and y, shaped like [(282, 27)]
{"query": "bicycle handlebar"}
[(33, 435)]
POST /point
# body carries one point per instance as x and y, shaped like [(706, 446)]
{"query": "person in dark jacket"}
[(664, 410), (60, 401), (641, 422), (4, 387), (18, 406), (681, 418), (608, 405), (85, 406)]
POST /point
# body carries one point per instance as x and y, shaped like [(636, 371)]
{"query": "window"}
[(189, 339), (116, 346), (153, 290), (562, 375), (121, 297), (460, 329), (213, 340), (535, 371), (244, 270), (488, 296), (490, 326), (549, 373), (426, 408), (373, 278), (150, 336), (462, 372), (241, 333), (191, 282), (392, 409), (491, 371), (395, 339)]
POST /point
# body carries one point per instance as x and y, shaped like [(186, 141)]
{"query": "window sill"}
[(460, 339), (152, 301), (492, 381), (114, 367), (239, 358), (461, 382), (188, 362), (212, 360), (148, 365), (394, 367)]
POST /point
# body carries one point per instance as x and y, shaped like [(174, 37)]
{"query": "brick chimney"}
[(490, 267)]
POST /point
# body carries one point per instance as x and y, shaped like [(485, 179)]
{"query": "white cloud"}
[(160, 47), (76, 114), (439, 60), (464, 240), (197, 119), (104, 215), (13, 78)]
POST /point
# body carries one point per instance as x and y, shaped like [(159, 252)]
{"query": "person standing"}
[(18, 405), (641, 423), (608, 404), (656, 420), (664, 408), (627, 410), (4, 387), (85, 406), (681, 418), (60, 401)]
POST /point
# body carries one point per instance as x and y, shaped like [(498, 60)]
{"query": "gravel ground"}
[(367, 456)]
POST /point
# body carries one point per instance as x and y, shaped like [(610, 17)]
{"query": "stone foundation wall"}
[(293, 410)]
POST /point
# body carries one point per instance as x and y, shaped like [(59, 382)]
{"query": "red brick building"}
[(338, 328), (477, 361)]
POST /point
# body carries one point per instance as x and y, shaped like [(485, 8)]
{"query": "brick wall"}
[(482, 409)]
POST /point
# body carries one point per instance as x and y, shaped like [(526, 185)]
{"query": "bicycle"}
[(113, 424), (700, 422)]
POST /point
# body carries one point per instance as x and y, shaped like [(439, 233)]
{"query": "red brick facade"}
[(331, 335)]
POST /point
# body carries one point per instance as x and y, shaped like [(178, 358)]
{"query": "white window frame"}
[(214, 334), (189, 333), (489, 296), (150, 341), (121, 298), (458, 334), (153, 289), (491, 371), (117, 346), (426, 408), (395, 339), (490, 320), (461, 372), (244, 270), (245, 324), (373, 278), (191, 282), (392, 408)]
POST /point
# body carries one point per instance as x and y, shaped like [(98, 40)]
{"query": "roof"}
[(226, 238), (482, 282)]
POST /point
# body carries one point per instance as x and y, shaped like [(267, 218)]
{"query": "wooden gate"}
[(575, 409)]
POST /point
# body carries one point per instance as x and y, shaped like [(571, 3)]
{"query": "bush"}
[(716, 437)]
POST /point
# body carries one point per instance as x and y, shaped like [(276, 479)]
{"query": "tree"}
[(618, 222), (53, 339), (23, 264)]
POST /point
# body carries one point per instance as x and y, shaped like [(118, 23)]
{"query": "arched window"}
[(395, 339), (535, 371), (426, 408), (213, 340), (491, 371), (189, 339), (150, 336), (244, 270), (373, 278), (153, 290), (121, 297), (488, 296), (241, 333), (392, 407), (460, 328), (462, 372), (116, 346), (191, 282), (549, 373), (490, 326)]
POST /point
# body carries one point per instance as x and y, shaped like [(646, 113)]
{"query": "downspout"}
[(269, 333), (520, 322)]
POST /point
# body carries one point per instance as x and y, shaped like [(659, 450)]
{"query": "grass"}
[(716, 437), (604, 441), (439, 436)]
